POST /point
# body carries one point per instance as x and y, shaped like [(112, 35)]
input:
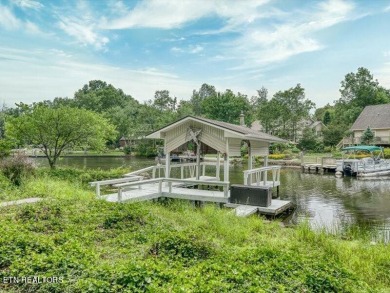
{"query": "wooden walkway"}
[(277, 207), (324, 164), (135, 187)]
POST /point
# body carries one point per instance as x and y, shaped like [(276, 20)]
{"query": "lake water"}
[(323, 200)]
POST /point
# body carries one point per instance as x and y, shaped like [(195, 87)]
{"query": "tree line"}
[(100, 112)]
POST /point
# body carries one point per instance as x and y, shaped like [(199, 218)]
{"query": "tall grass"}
[(171, 246)]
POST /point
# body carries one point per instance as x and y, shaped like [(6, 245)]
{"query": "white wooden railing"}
[(259, 176), (98, 184), (122, 186), (187, 170)]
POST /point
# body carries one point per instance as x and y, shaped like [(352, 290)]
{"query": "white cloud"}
[(196, 49), (28, 4), (177, 50), (81, 23), (295, 35), (192, 49), (8, 20), (167, 14), (383, 75), (36, 75), (84, 33)]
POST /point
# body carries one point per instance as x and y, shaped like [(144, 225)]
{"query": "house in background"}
[(376, 117), (316, 126)]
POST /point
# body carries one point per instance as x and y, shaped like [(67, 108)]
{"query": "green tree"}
[(327, 118), (310, 141), (333, 134), (358, 90), (98, 96), (367, 136), (197, 98), (227, 107), (362, 90), (163, 101), (56, 129), (184, 109), (269, 113), (293, 107), (261, 98)]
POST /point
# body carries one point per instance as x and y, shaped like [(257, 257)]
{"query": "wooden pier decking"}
[(134, 187), (277, 207), (317, 164)]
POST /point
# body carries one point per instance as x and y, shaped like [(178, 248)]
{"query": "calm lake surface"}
[(323, 200)]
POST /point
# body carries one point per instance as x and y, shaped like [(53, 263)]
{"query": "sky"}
[(52, 48)]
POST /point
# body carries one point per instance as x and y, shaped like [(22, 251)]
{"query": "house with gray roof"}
[(377, 117)]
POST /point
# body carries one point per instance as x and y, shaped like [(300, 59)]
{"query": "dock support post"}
[(160, 187), (120, 195), (167, 164), (97, 190), (226, 167), (197, 160), (266, 161), (217, 168), (250, 163)]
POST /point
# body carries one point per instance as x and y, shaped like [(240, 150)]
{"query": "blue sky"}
[(52, 48)]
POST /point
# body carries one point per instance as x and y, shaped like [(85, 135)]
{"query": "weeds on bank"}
[(171, 246)]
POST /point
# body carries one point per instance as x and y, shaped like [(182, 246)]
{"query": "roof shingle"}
[(375, 117)]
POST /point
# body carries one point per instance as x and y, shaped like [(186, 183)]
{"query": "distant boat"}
[(375, 165)]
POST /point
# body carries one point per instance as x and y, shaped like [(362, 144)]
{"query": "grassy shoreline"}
[(170, 246)]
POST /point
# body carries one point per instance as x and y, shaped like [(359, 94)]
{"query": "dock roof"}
[(242, 131)]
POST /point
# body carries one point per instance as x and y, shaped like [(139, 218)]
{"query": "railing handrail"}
[(141, 171), (147, 181), (160, 166), (224, 184), (113, 181), (141, 182), (261, 169), (181, 166), (261, 175)]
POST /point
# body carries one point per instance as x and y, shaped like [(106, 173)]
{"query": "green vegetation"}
[(170, 246), (358, 90), (286, 114), (55, 129)]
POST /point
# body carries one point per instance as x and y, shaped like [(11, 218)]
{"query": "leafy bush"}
[(279, 147), (82, 175), (5, 148), (277, 156), (328, 149), (182, 246), (386, 153), (17, 167), (127, 150), (144, 149), (295, 150)]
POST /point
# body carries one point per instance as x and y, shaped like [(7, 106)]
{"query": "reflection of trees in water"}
[(347, 203)]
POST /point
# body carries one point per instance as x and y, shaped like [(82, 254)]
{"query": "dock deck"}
[(276, 208), (150, 191), (134, 187)]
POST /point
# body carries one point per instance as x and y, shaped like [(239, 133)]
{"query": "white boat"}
[(375, 165)]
